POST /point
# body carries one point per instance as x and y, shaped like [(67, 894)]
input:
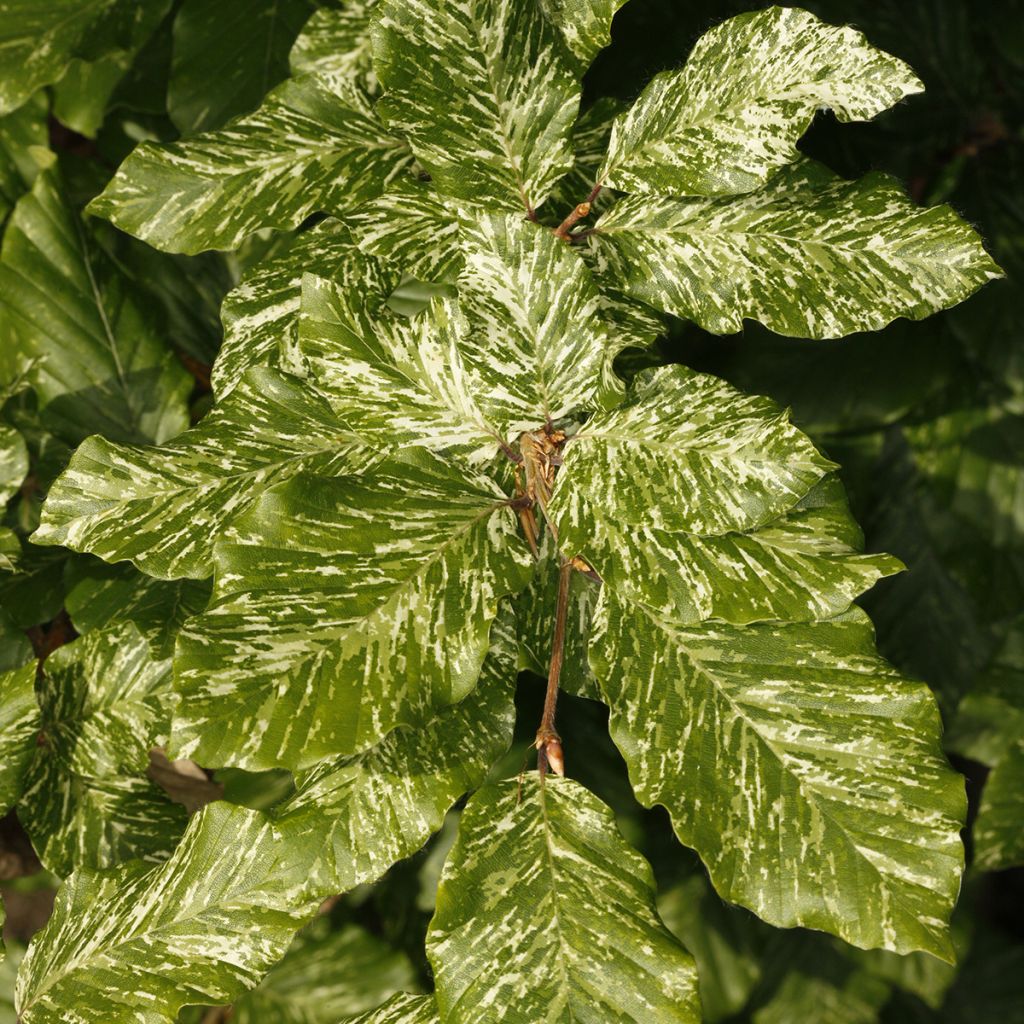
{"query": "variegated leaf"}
[(805, 770), (261, 315), (810, 255), (343, 608), (136, 943), (586, 25), (40, 37), (590, 137), (307, 148), (335, 44), (99, 595), (327, 978), (403, 1009), (103, 703), (999, 828), (362, 813), (209, 82), (20, 716), (413, 227), (99, 363), (731, 118), (526, 343), (544, 913), (13, 462), (162, 508), (484, 92)]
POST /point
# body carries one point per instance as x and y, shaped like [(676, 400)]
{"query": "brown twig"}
[(549, 743), (577, 214)]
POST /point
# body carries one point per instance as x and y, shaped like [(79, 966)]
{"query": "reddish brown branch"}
[(549, 743)]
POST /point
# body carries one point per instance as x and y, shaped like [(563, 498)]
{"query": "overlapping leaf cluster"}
[(339, 569)]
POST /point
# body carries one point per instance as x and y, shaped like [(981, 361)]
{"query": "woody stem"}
[(577, 214), (549, 746)]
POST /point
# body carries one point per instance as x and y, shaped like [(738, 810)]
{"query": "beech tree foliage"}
[(343, 413)]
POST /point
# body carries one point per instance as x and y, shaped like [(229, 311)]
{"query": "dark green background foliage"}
[(925, 418)]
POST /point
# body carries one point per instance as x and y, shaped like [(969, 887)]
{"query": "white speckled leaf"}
[(211, 82), (403, 1009), (731, 118), (100, 362), (810, 255), (103, 703), (545, 915), (308, 148), (526, 341), (484, 92), (806, 772), (999, 828), (704, 503), (134, 944), (20, 716), (361, 814), (335, 44), (343, 608), (261, 315), (413, 227), (162, 508), (586, 25), (590, 136), (13, 462), (327, 978)]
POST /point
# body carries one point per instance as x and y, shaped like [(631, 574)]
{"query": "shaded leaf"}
[(335, 44), (999, 828), (210, 83), (20, 715), (101, 363)]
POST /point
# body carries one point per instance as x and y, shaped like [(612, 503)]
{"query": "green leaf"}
[(316, 640), (137, 943), (10, 550), (23, 142), (99, 595), (586, 25), (998, 835), (361, 814), (20, 716), (590, 137), (545, 913), (335, 44), (324, 979), (162, 508), (403, 1009), (811, 979), (86, 800), (210, 82), (15, 649), (810, 255), (40, 37), (484, 92), (261, 315), (82, 95), (102, 364), (725, 942), (429, 381), (804, 770), (731, 118), (307, 148)]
